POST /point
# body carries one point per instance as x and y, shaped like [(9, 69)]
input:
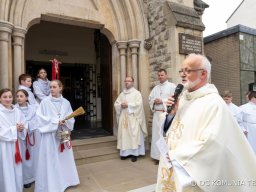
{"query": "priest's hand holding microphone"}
[(172, 106)]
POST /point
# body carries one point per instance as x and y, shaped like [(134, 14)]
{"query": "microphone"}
[(177, 92), (169, 118)]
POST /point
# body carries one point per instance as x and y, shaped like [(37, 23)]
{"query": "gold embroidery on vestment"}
[(176, 129), (167, 181)]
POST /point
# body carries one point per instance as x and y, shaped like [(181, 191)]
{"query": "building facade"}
[(232, 53), (98, 42)]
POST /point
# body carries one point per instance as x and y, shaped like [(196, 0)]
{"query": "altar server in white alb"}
[(131, 122), (12, 130), (235, 110), (207, 149), (249, 118), (157, 102), (30, 146), (56, 166), (25, 81), (41, 87)]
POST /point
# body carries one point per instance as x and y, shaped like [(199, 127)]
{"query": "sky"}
[(215, 17)]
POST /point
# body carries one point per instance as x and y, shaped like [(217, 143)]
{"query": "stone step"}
[(93, 143), (95, 155)]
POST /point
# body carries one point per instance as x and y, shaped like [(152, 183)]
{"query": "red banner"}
[(55, 69)]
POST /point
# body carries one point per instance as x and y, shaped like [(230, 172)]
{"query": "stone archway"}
[(85, 70), (122, 22), (118, 20)]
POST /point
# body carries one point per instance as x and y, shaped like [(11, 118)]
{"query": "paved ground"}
[(116, 176)]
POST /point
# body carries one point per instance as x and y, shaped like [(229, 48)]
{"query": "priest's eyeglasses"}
[(188, 71)]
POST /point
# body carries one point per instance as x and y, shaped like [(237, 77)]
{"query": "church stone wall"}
[(159, 55)]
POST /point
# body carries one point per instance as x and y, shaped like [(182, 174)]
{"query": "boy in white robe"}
[(207, 149), (25, 81), (157, 102), (12, 129), (30, 146), (56, 165), (41, 87), (235, 110), (131, 122), (249, 119)]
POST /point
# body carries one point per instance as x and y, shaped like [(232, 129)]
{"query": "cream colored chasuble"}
[(209, 145)]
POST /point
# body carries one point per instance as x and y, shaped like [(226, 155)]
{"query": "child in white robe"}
[(56, 166), (30, 145), (12, 129), (41, 87), (249, 119), (25, 81), (235, 110)]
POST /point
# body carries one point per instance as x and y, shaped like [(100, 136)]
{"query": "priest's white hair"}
[(205, 63)]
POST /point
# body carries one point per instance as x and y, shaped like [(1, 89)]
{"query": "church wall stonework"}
[(158, 55), (166, 19)]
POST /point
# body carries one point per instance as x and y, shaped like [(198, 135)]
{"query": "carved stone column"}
[(18, 53), (134, 46), (122, 46), (5, 31)]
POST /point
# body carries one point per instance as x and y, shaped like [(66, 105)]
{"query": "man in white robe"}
[(249, 118), (234, 109), (131, 122), (157, 102), (207, 149)]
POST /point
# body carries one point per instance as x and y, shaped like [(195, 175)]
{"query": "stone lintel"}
[(185, 17)]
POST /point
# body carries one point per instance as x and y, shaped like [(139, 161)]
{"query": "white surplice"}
[(208, 149), (41, 89), (237, 114), (162, 91), (31, 96), (29, 166), (131, 123), (56, 170), (10, 171), (249, 122)]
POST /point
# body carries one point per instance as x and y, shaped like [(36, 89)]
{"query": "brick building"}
[(232, 53)]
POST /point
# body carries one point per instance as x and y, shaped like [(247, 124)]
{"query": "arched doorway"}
[(85, 70)]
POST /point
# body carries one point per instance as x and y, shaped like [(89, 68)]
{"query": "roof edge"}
[(229, 31)]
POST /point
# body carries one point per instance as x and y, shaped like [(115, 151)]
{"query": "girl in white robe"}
[(249, 119), (30, 146), (56, 166), (12, 129), (41, 86)]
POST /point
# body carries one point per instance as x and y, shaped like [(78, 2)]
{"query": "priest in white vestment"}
[(41, 87), (249, 119), (157, 102), (13, 128), (131, 122), (207, 149), (234, 109), (56, 165)]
